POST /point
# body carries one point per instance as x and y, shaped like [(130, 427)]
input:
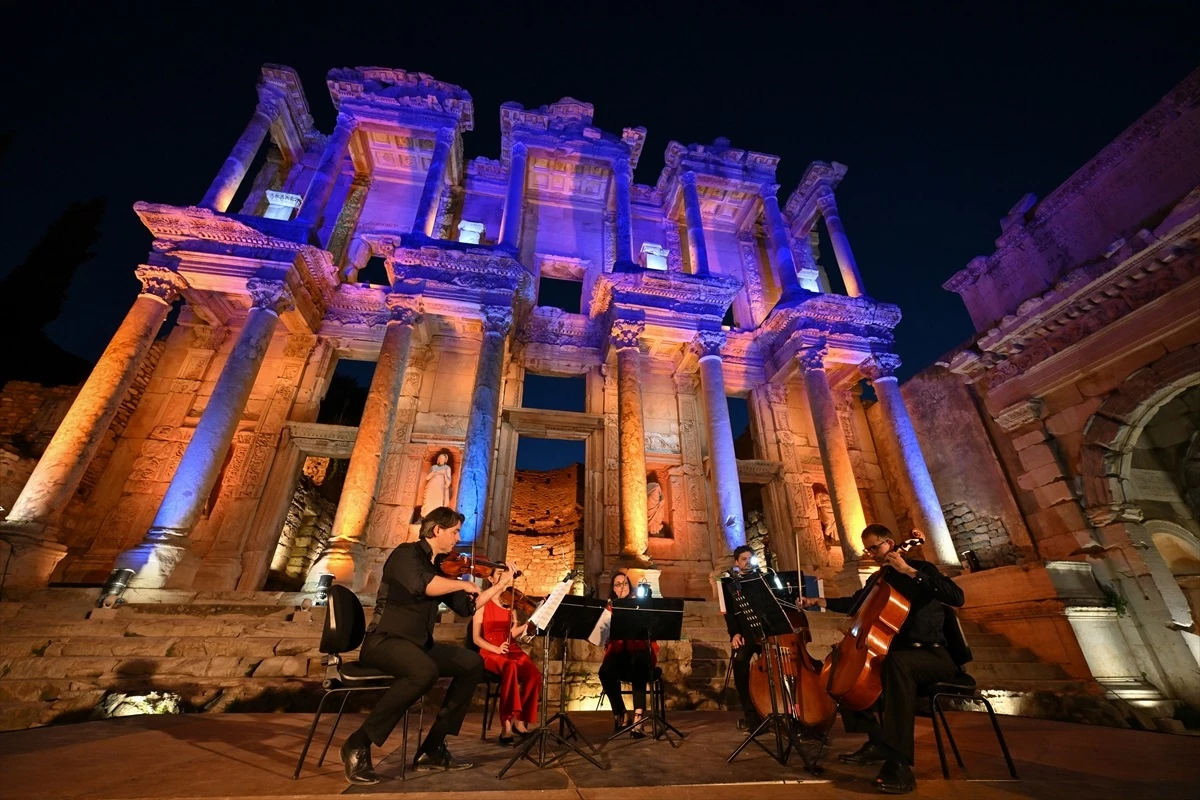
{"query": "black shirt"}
[(927, 592), (402, 607)]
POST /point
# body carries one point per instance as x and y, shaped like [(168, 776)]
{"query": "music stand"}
[(575, 618), (759, 611), (653, 619)]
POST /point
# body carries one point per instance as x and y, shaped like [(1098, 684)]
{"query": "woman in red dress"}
[(626, 660), (493, 629)]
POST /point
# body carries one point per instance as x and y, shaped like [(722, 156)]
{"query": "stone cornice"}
[(552, 326), (674, 292), (286, 82), (382, 88), (830, 315), (801, 203), (568, 120)]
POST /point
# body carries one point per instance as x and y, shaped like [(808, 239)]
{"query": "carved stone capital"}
[(404, 309), (825, 200), (812, 358), (626, 334), (445, 136), (880, 365), (769, 191), (497, 320), (1022, 413), (270, 295), (519, 150), (708, 343), (688, 178), (346, 122), (621, 165), (162, 283)]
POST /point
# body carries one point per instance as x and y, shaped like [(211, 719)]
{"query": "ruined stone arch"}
[(1111, 432)]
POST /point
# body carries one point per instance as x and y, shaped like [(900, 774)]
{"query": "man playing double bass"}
[(917, 657)]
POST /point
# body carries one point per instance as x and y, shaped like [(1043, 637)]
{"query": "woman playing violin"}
[(626, 660), (494, 630)]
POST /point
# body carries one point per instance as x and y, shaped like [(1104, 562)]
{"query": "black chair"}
[(658, 695), (491, 684), (345, 628)]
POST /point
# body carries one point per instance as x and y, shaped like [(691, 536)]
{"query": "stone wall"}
[(545, 511), (307, 528)]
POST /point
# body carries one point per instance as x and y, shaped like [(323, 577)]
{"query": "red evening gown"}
[(515, 668)]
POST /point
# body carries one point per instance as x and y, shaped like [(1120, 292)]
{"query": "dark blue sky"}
[(946, 115)]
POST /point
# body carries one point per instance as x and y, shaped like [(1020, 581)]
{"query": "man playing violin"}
[(399, 641), (917, 657)]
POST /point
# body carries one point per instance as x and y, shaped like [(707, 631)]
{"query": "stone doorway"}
[(545, 533), (308, 524)]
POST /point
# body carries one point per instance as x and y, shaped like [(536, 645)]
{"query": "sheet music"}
[(542, 614), (599, 634)]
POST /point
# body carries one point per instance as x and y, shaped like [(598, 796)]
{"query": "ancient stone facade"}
[(1069, 424), (197, 489)]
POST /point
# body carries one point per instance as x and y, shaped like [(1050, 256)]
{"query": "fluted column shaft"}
[(345, 553), (481, 425), (727, 488), (623, 177), (166, 542), (320, 186), (841, 244), (835, 455), (514, 203), (695, 223), (635, 534), (781, 245), (914, 480), (233, 171), (435, 180)]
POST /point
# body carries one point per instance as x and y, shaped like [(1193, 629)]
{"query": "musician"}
[(742, 641), (494, 630), (399, 641), (917, 657), (626, 660)]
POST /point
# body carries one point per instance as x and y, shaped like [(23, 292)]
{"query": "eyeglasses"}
[(871, 550)]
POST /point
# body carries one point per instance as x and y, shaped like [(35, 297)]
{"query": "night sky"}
[(945, 116)]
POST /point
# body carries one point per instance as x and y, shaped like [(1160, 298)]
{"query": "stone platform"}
[(239, 756)]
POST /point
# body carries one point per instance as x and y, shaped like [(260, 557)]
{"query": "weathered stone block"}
[(1064, 518), (1040, 476), (282, 666), (1074, 418), (1052, 494), (1028, 439), (1034, 456)]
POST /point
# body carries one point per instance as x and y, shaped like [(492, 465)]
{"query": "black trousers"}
[(625, 666), (904, 672), (417, 669), (741, 680)]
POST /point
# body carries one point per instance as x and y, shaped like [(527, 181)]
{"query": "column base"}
[(27, 556), (159, 565), (345, 561)]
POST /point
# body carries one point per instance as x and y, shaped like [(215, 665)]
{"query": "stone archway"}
[(1180, 549)]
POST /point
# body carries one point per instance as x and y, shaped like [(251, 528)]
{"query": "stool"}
[(961, 688)]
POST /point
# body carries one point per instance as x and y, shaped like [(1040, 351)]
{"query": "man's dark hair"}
[(612, 584), (745, 548), (441, 517), (879, 532)]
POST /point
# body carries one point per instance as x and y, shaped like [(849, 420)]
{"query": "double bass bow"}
[(852, 671)]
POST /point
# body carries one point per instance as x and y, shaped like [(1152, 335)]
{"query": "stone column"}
[(635, 536), (29, 527), (835, 454), (841, 244), (915, 483), (623, 177), (514, 205), (481, 425), (225, 185), (166, 543), (345, 554), (435, 179), (320, 186), (781, 245), (695, 223), (726, 487)]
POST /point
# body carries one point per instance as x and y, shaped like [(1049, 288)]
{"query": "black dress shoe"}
[(439, 759), (506, 741), (869, 753), (357, 761), (895, 778)]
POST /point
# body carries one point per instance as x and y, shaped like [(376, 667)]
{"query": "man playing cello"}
[(917, 657)]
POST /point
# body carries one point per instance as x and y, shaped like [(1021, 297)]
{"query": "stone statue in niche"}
[(437, 484), (656, 510), (825, 513)]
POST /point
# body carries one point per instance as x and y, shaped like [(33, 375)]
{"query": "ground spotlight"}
[(114, 587)]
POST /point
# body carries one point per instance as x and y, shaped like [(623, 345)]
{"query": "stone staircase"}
[(255, 651)]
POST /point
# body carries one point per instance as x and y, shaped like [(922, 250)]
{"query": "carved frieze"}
[(1020, 414)]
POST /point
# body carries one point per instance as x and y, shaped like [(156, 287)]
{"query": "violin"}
[(455, 565), (852, 671)]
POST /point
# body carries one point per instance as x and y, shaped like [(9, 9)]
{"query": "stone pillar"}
[(781, 245), (835, 454), (695, 224), (166, 543), (635, 535), (623, 177), (841, 244), (345, 555), (481, 425), (225, 185), (29, 527), (514, 204), (727, 490), (321, 184), (915, 483), (435, 179)]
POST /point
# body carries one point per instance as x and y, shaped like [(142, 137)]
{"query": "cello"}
[(852, 671), (811, 706)]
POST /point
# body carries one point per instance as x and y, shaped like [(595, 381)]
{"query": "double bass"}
[(852, 672), (811, 706)]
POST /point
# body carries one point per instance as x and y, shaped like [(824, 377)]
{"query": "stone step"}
[(986, 672), (92, 667), (1002, 654)]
